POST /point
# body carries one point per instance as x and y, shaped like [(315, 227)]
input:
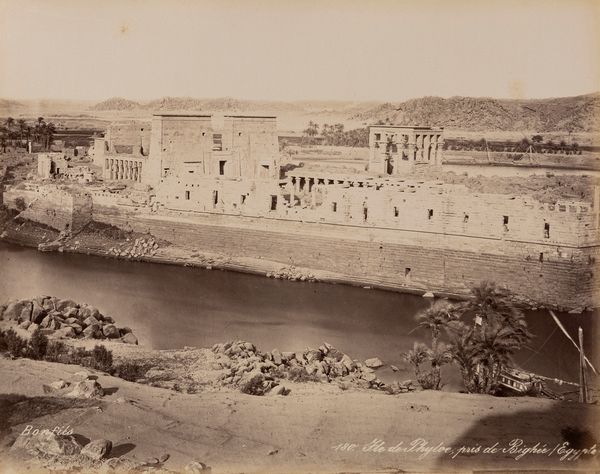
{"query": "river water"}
[(171, 306)]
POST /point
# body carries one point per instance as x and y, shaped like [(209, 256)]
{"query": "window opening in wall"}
[(396, 211), (546, 230), (429, 213), (191, 171), (407, 272), (243, 200), (165, 171), (215, 197), (217, 142), (365, 213), (505, 222), (378, 136), (466, 218), (239, 134), (334, 206), (541, 256), (273, 203), (187, 195), (222, 168)]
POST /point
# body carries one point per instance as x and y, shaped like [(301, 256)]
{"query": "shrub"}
[(14, 344), (20, 204), (38, 345), (299, 374), (101, 358), (57, 352), (131, 370), (254, 386)]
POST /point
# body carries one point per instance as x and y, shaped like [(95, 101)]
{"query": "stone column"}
[(140, 172), (292, 191), (427, 147), (411, 147), (440, 150)]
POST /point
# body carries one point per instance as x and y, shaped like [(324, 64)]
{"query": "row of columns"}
[(129, 170)]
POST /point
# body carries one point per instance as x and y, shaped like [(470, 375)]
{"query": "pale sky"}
[(292, 49)]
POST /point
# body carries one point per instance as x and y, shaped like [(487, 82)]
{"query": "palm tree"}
[(49, 131), (436, 317), (22, 129), (485, 348)]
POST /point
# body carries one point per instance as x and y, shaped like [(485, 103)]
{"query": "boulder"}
[(47, 442), (82, 375), (76, 327), (37, 313), (86, 389), (26, 313), (126, 330), (428, 294), (348, 363), (45, 322), (369, 377), (276, 356), (66, 331), (66, 305), (196, 467), (59, 384), (281, 390), (89, 311), (97, 449), (110, 331), (49, 304), (16, 309), (54, 324), (71, 320), (373, 363), (91, 320), (107, 319), (25, 324), (394, 368), (72, 313), (32, 327), (314, 354), (129, 338), (92, 331)]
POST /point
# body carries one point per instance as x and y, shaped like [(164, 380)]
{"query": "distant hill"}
[(116, 103), (577, 114)]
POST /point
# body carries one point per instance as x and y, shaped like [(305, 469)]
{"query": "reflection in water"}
[(173, 306)]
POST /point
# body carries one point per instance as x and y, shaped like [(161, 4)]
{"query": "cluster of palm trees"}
[(483, 333), (20, 132)]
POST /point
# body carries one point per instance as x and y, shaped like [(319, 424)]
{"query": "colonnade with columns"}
[(123, 169)]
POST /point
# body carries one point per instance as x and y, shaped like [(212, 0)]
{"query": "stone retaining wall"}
[(395, 259)]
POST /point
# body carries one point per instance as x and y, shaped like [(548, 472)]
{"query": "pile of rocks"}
[(243, 362), (292, 273), (64, 318), (83, 385), (142, 247)]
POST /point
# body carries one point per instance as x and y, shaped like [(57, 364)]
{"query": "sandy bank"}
[(233, 432)]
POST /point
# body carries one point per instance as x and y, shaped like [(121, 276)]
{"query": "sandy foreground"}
[(306, 431)]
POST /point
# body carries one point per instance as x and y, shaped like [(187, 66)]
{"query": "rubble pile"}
[(64, 318), (292, 273), (142, 247), (243, 363)]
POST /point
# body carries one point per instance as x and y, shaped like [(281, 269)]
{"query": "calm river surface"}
[(171, 306)]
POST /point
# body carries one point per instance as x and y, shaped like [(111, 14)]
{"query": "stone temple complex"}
[(221, 186)]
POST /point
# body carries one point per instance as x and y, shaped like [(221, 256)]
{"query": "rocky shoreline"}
[(64, 318)]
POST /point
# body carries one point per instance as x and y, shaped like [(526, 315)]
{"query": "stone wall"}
[(388, 258), (58, 208)]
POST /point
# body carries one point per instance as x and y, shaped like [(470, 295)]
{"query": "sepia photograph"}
[(299, 236)]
